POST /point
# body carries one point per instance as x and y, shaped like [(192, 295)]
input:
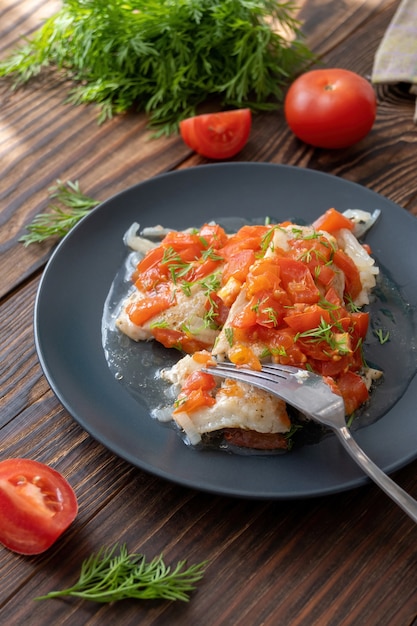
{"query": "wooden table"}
[(346, 559)]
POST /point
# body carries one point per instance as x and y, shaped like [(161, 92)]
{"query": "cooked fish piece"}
[(236, 405), (187, 314)]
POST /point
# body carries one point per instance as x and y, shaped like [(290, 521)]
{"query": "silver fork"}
[(314, 398)]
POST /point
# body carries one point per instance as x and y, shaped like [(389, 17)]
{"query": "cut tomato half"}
[(37, 505), (217, 135)]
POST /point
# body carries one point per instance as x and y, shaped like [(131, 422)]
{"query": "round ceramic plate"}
[(76, 283)]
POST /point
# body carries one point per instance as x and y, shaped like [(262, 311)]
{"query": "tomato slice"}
[(37, 505), (217, 135)]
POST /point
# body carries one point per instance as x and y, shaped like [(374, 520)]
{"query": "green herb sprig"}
[(59, 221), (166, 57), (107, 576), (382, 335)]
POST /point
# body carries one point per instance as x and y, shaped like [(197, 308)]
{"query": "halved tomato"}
[(217, 135), (37, 505)]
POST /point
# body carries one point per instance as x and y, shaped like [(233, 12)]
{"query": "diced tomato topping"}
[(241, 354), (181, 240), (219, 310), (311, 250), (360, 323), (323, 274), (213, 236), (247, 238), (202, 268), (246, 317), (270, 311), (145, 309), (332, 297), (353, 390), (298, 282), (264, 275), (196, 399), (310, 318), (203, 357), (151, 259), (149, 271), (238, 265), (353, 285), (332, 221), (294, 307), (171, 338), (195, 392), (199, 380)]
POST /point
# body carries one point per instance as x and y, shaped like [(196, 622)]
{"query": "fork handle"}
[(394, 491)]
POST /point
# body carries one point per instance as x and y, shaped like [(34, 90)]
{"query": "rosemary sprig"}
[(59, 221), (108, 577)]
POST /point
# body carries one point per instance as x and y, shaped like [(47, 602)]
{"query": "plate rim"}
[(113, 447)]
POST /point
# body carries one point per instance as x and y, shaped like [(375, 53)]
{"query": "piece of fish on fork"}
[(310, 394)]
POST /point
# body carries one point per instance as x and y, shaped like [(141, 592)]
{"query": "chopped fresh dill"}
[(166, 58), (351, 306), (229, 335), (73, 206), (338, 341), (382, 336), (267, 239), (159, 324), (211, 254), (211, 283), (110, 576)]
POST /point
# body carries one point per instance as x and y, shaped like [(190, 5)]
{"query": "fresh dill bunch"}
[(166, 57), (59, 221), (107, 576)]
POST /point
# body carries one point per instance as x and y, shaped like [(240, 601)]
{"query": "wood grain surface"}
[(342, 560)]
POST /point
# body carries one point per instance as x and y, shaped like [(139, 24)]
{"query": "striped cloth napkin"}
[(396, 58)]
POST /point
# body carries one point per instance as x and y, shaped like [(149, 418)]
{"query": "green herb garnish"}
[(166, 57), (382, 336), (108, 577), (338, 341), (59, 221)]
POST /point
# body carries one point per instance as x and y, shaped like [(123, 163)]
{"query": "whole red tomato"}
[(330, 108)]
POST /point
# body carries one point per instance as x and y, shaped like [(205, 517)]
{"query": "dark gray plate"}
[(76, 282)]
